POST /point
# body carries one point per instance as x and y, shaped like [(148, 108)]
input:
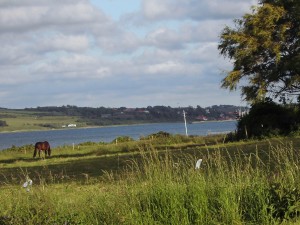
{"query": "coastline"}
[(205, 121), (85, 127)]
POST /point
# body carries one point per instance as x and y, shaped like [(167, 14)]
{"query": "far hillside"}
[(56, 117)]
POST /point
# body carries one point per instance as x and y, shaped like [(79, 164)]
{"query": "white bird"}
[(198, 164)]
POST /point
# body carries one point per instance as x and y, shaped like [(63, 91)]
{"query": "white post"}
[(186, 133)]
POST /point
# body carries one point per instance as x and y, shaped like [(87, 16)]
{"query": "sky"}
[(115, 53)]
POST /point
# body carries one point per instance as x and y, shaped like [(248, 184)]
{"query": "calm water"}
[(107, 134)]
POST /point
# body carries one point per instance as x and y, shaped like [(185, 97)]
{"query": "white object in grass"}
[(198, 164), (27, 184)]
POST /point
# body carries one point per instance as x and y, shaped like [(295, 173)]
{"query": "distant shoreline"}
[(76, 128), (205, 121)]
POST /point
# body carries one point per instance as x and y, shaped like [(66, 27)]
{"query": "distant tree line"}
[(123, 115)]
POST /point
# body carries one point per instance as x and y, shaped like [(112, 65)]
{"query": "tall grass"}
[(260, 187), (227, 190)]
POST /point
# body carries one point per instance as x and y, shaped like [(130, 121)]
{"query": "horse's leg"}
[(34, 153)]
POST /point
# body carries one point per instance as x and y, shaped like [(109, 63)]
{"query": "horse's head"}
[(34, 153)]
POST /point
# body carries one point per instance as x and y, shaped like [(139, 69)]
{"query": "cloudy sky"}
[(113, 53)]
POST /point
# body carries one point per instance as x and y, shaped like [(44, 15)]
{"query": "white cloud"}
[(72, 66), (118, 42), (26, 18), (165, 53), (164, 68), (18, 18), (194, 9), (60, 42), (11, 76), (156, 9), (165, 38)]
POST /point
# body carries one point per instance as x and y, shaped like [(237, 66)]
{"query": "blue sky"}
[(117, 8), (114, 53)]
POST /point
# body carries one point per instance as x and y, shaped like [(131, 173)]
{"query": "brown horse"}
[(42, 146)]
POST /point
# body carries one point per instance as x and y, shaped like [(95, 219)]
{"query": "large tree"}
[(264, 47)]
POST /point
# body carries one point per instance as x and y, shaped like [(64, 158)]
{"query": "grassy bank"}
[(21, 120), (155, 182)]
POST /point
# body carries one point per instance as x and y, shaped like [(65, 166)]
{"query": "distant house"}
[(201, 118), (142, 111), (129, 110), (71, 125)]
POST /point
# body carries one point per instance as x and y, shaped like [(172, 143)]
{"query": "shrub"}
[(160, 134), (23, 148), (122, 139), (267, 119), (3, 123)]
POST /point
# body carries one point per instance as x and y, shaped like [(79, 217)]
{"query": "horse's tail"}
[(34, 153)]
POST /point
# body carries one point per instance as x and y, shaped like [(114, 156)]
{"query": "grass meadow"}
[(154, 181), (20, 120)]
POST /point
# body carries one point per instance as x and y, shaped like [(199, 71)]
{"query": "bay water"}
[(70, 136)]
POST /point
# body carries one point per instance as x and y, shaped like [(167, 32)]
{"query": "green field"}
[(21, 120), (154, 181)]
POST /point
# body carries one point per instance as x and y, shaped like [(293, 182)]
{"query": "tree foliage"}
[(268, 119), (265, 49)]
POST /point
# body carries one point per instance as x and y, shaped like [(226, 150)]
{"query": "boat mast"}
[(186, 133)]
